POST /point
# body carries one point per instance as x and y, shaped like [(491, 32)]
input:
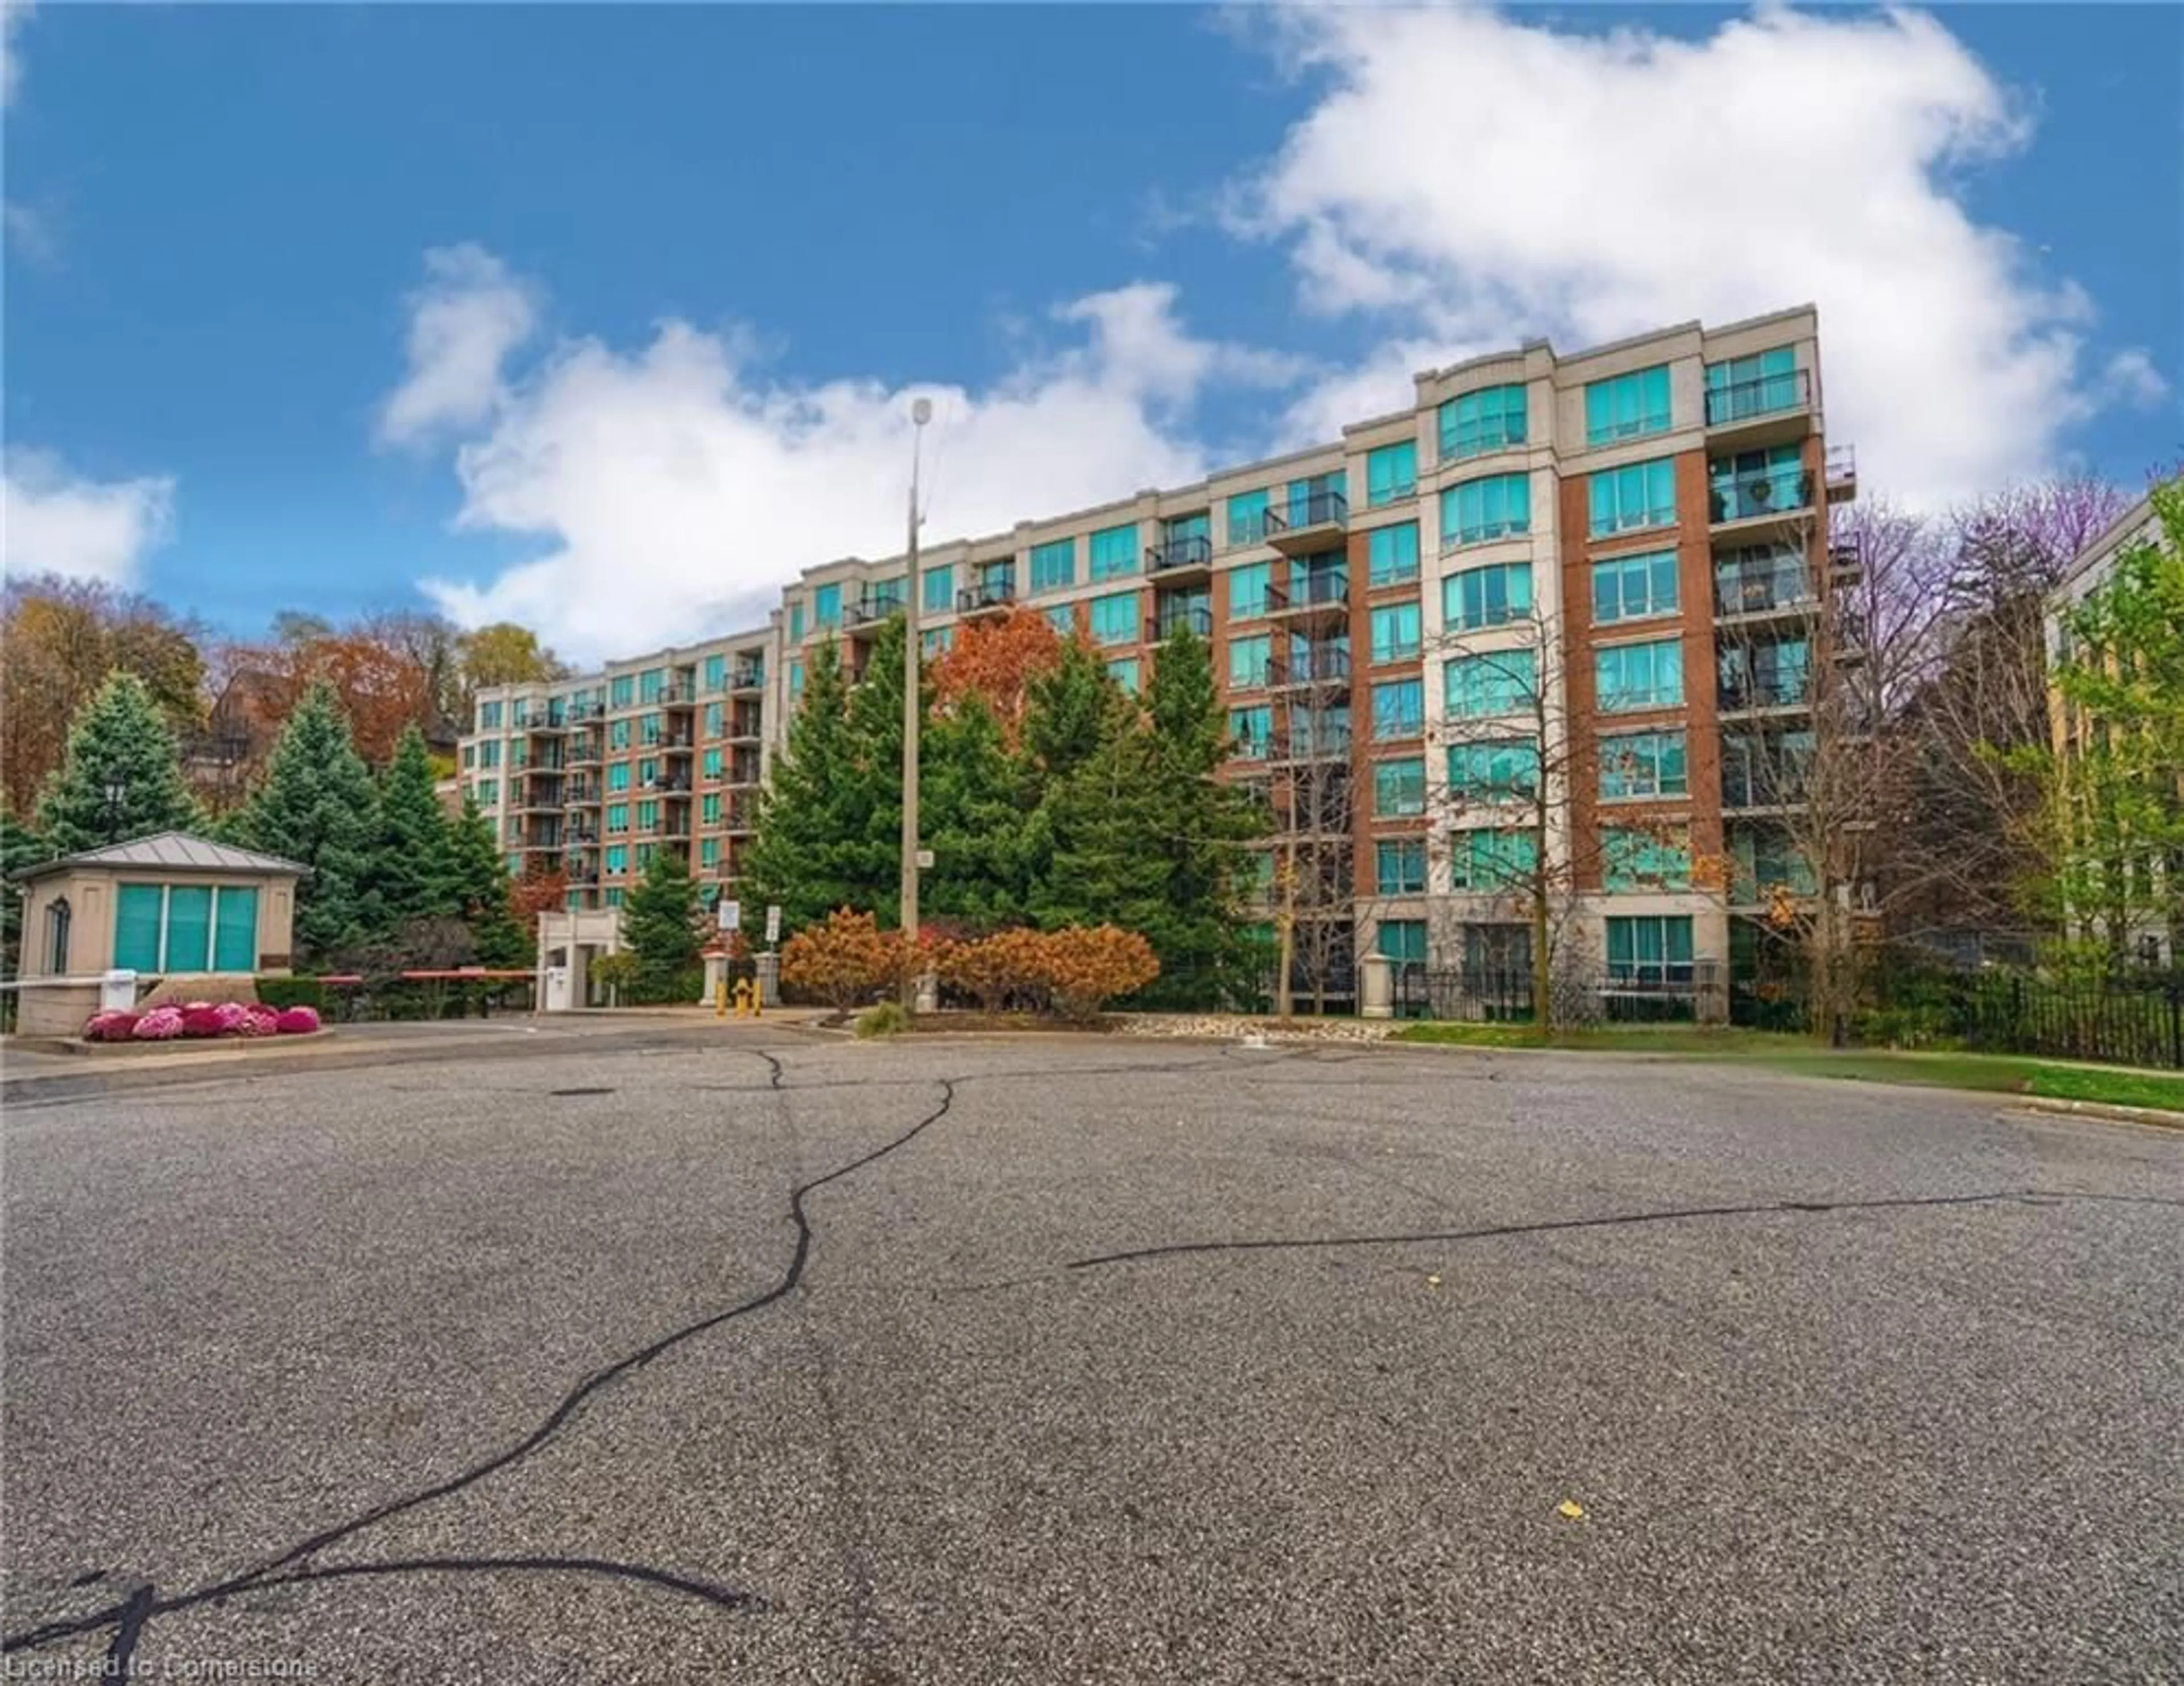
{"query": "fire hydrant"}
[(745, 1007)]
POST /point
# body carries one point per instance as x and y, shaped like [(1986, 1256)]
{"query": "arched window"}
[(58, 918)]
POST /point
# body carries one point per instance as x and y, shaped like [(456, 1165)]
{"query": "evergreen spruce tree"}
[(478, 887), (1202, 826), (811, 851), (318, 806), (1096, 834), (122, 775), (19, 847), (975, 820), (871, 856), (1069, 714), (659, 928), (412, 869)]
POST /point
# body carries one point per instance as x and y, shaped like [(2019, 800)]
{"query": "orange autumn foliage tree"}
[(998, 660), (848, 961), (537, 893)]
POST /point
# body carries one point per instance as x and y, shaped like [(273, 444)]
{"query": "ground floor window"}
[(1403, 939), (1649, 951), (186, 928), (59, 918)]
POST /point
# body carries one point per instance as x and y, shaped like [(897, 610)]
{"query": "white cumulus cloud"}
[(465, 321), (13, 15), (1468, 179), (53, 521), (676, 486)]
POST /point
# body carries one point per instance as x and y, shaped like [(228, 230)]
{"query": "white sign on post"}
[(772, 923), (731, 915)]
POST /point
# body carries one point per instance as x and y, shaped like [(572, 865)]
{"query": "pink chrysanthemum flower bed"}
[(200, 1020)]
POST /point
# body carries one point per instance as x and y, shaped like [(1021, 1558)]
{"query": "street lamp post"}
[(116, 793), (920, 412)]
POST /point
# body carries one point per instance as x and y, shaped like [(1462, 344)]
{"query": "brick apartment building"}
[(1592, 589)]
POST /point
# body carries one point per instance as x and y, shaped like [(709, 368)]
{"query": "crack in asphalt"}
[(2027, 1197), (129, 1616)]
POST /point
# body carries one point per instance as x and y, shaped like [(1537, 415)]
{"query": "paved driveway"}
[(738, 1355)]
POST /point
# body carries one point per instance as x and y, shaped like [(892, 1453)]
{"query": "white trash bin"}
[(117, 990)]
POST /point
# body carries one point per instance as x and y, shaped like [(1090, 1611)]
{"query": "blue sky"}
[(605, 317)]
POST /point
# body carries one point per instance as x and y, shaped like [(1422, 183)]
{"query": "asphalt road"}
[(1084, 1362)]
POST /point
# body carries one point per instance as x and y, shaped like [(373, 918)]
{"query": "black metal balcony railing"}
[(1769, 788), (1187, 550), (872, 609), (1765, 691), (1331, 745), (1776, 491), (1314, 591), (1845, 560), (577, 715), (987, 594), (1312, 667), (1196, 618), (674, 784), (744, 725), (1768, 396), (678, 695), (1758, 587), (747, 678), (1299, 515), (743, 772)]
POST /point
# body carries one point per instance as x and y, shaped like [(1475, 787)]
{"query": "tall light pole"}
[(920, 412)]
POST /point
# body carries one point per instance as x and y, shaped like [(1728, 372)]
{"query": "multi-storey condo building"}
[(1572, 604)]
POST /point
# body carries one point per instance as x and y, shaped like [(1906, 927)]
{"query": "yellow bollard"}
[(743, 998), (720, 997)]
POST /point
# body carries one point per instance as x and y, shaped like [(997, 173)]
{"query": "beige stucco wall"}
[(93, 891)]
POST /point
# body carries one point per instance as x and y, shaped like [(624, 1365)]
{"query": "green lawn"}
[(2002, 1074)]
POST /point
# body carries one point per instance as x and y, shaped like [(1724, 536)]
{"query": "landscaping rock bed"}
[(1236, 1025)]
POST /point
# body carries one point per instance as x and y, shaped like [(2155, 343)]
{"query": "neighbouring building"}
[(1604, 575), (167, 906), (2150, 940)]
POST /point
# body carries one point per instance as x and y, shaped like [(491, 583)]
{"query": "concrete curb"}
[(2157, 1118)]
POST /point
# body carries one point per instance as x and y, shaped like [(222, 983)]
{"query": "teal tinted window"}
[(1247, 517), (1399, 709), (826, 605), (1503, 682), (137, 918), (235, 934), (1124, 671), (1632, 676), (1403, 939), (1391, 474), (1643, 764), (937, 594), (1644, 495), (1115, 619), (1632, 588), (1400, 866), (1053, 565), (1487, 420), (1399, 787), (1396, 634), (1247, 660), (1114, 552), (1506, 769), (189, 928), (1486, 597), (1628, 407), (1498, 506), (1247, 590), (1391, 553)]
